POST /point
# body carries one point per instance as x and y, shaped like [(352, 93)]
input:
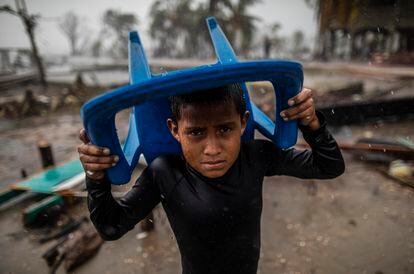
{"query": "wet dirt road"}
[(360, 222)]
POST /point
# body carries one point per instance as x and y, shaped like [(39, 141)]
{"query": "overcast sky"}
[(292, 15)]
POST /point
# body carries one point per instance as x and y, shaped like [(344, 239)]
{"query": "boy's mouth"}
[(214, 165)]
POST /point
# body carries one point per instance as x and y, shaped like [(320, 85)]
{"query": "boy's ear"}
[(244, 120), (173, 127)]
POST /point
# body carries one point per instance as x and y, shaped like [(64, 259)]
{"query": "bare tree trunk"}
[(212, 7), (29, 23), (37, 59)]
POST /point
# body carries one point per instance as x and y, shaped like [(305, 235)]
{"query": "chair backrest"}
[(148, 95)]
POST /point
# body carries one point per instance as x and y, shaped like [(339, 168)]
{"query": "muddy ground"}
[(361, 222)]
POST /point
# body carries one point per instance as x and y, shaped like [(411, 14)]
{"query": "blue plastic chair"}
[(148, 95)]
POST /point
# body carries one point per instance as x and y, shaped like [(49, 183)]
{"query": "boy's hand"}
[(302, 108), (95, 160)]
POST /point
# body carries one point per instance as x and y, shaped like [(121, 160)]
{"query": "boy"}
[(212, 193)]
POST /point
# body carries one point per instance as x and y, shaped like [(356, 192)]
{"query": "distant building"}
[(15, 58), (376, 30)]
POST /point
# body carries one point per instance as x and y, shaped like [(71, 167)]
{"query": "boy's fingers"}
[(83, 136), (93, 150), (289, 113), (98, 160), (305, 116), (301, 97), (96, 167)]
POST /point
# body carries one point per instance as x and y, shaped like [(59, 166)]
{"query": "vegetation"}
[(71, 26), (29, 21), (118, 24), (179, 28)]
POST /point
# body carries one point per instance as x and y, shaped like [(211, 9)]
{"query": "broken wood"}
[(394, 149), (77, 248), (68, 228), (31, 214), (362, 112), (8, 195), (19, 199)]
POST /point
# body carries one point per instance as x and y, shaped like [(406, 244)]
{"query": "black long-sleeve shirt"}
[(216, 221)]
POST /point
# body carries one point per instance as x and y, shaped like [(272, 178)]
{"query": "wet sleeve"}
[(113, 218), (323, 161)]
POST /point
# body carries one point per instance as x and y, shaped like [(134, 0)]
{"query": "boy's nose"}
[(212, 146)]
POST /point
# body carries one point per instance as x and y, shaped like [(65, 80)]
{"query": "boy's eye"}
[(225, 130), (196, 132)]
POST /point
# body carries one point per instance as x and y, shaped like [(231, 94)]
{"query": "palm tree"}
[(179, 29), (119, 24), (241, 24), (171, 26)]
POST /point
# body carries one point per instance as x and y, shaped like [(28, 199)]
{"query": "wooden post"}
[(46, 155), (23, 173)]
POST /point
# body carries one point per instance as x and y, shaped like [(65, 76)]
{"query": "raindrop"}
[(348, 36), (142, 235), (162, 196), (128, 260), (378, 29), (392, 92), (333, 111)]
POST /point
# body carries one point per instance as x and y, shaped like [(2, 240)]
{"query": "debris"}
[(365, 111), (45, 181), (18, 199), (402, 171), (75, 249), (9, 194), (68, 228), (383, 146), (32, 214)]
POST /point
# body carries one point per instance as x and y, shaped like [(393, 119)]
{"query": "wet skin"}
[(210, 136)]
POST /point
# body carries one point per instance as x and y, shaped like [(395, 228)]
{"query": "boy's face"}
[(209, 136)]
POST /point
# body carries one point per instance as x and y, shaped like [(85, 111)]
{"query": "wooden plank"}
[(362, 112), (70, 183), (30, 214), (44, 182), (9, 194), (19, 199)]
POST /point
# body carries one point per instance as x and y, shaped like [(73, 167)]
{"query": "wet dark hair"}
[(230, 94)]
